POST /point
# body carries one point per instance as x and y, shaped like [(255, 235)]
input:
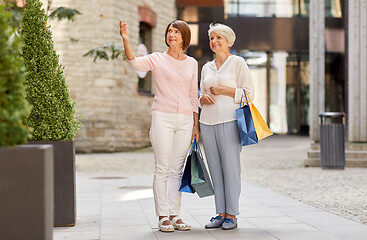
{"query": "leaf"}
[(64, 13), (74, 40), (102, 52)]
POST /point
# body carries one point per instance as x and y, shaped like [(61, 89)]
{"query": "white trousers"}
[(170, 135)]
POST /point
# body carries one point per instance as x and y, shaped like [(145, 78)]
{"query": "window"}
[(145, 41), (260, 8), (280, 8)]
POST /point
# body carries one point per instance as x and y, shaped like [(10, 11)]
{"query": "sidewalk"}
[(122, 208)]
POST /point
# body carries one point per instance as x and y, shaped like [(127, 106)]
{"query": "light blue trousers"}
[(222, 149)]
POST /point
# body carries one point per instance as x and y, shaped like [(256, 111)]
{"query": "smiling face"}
[(174, 37), (218, 43)]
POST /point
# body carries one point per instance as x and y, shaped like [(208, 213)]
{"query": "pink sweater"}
[(175, 81)]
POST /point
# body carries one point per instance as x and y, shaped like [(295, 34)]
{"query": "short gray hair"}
[(224, 30)]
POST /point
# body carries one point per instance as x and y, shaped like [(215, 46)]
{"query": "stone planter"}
[(64, 182), (26, 192)]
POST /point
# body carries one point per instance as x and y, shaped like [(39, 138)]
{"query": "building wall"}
[(357, 71), (115, 116)]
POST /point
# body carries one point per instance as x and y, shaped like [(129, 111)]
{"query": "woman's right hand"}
[(206, 99), (124, 32)]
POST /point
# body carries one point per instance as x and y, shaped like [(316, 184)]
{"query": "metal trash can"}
[(332, 140)]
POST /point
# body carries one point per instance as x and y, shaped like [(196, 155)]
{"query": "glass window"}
[(301, 8), (333, 8), (260, 8), (279, 8)]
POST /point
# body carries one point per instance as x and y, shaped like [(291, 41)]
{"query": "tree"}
[(53, 113), (13, 106)]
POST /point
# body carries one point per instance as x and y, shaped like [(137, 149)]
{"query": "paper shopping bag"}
[(186, 177), (262, 129), (200, 179), (246, 125)]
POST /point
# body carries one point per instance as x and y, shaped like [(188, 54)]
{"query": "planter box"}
[(64, 182), (26, 192)]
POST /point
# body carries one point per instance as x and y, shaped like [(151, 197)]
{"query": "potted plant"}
[(26, 171), (52, 117)]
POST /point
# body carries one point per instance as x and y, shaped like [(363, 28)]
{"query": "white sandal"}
[(165, 228), (180, 226)]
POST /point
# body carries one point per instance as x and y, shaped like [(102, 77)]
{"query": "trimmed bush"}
[(53, 114), (13, 106)]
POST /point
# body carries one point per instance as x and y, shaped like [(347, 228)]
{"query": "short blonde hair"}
[(224, 30)]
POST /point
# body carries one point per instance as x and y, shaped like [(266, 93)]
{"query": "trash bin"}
[(332, 140)]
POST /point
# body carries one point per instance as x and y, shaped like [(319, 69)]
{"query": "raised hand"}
[(124, 32)]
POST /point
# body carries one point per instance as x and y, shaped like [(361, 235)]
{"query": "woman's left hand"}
[(195, 133)]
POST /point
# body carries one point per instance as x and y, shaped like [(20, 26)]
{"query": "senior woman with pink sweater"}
[(174, 117)]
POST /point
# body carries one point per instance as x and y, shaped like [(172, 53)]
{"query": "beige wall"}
[(115, 116)]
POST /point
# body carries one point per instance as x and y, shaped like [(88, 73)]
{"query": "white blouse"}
[(233, 73)]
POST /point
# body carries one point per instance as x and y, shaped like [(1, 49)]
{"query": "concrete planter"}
[(64, 182), (26, 192)]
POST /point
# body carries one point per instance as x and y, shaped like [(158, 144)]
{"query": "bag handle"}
[(248, 96), (193, 146), (244, 94)]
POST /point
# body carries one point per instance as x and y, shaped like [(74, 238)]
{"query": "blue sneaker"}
[(215, 222), (229, 224)]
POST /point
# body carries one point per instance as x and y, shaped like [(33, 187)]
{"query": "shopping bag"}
[(261, 128), (200, 179), (246, 125), (186, 177)]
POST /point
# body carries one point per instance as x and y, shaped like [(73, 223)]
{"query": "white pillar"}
[(278, 109), (317, 64), (357, 67)]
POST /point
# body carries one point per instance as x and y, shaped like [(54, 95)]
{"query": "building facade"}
[(273, 37), (306, 57), (355, 84), (113, 101)]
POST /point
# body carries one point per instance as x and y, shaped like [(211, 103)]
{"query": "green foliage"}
[(60, 13), (53, 113), (11, 6), (13, 106), (101, 52), (64, 13)]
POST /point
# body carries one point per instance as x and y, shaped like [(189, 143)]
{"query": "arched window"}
[(145, 47), (148, 20)]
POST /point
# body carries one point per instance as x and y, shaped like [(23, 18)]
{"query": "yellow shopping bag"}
[(261, 128)]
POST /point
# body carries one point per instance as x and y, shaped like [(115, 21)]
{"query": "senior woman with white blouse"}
[(222, 83)]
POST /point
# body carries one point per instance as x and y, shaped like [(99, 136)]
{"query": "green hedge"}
[(13, 106), (53, 114)]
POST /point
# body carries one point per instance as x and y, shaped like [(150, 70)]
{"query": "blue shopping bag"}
[(186, 177), (246, 125)]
